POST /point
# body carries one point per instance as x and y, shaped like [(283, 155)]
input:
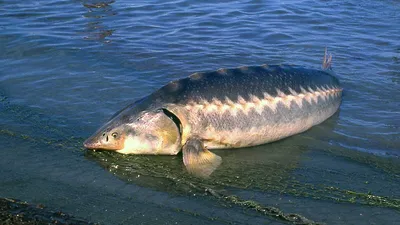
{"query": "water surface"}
[(67, 66)]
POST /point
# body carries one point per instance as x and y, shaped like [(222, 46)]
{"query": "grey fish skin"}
[(227, 108), (244, 81), (249, 106), (229, 86)]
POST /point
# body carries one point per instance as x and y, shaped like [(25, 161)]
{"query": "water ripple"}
[(84, 60)]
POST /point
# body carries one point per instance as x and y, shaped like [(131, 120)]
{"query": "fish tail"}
[(327, 61)]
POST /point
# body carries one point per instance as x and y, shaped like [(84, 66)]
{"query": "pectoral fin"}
[(198, 160)]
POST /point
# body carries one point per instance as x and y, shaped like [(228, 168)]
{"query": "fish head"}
[(147, 132), (108, 137)]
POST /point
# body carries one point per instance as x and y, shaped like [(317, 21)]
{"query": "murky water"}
[(67, 66)]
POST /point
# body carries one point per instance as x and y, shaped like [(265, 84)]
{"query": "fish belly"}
[(262, 119)]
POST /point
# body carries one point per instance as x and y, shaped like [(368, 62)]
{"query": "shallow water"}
[(67, 66)]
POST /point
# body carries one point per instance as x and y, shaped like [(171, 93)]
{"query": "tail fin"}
[(327, 61)]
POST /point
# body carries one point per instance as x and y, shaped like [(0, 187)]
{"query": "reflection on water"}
[(256, 167), (93, 4), (97, 12), (275, 167), (265, 167), (61, 86)]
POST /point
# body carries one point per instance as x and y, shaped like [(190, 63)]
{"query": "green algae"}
[(273, 178), (14, 211), (169, 175), (269, 211), (271, 173), (166, 173), (390, 165)]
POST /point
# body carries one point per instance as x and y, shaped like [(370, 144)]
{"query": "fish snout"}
[(105, 141), (91, 144)]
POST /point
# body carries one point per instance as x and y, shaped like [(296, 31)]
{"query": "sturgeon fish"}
[(223, 109)]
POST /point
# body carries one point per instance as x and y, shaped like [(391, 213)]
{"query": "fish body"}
[(247, 106), (227, 108)]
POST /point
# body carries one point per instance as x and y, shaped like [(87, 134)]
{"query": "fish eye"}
[(115, 135)]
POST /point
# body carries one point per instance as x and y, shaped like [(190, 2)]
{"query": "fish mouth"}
[(89, 144), (98, 145)]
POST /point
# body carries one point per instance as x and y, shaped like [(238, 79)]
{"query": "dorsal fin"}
[(327, 61)]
